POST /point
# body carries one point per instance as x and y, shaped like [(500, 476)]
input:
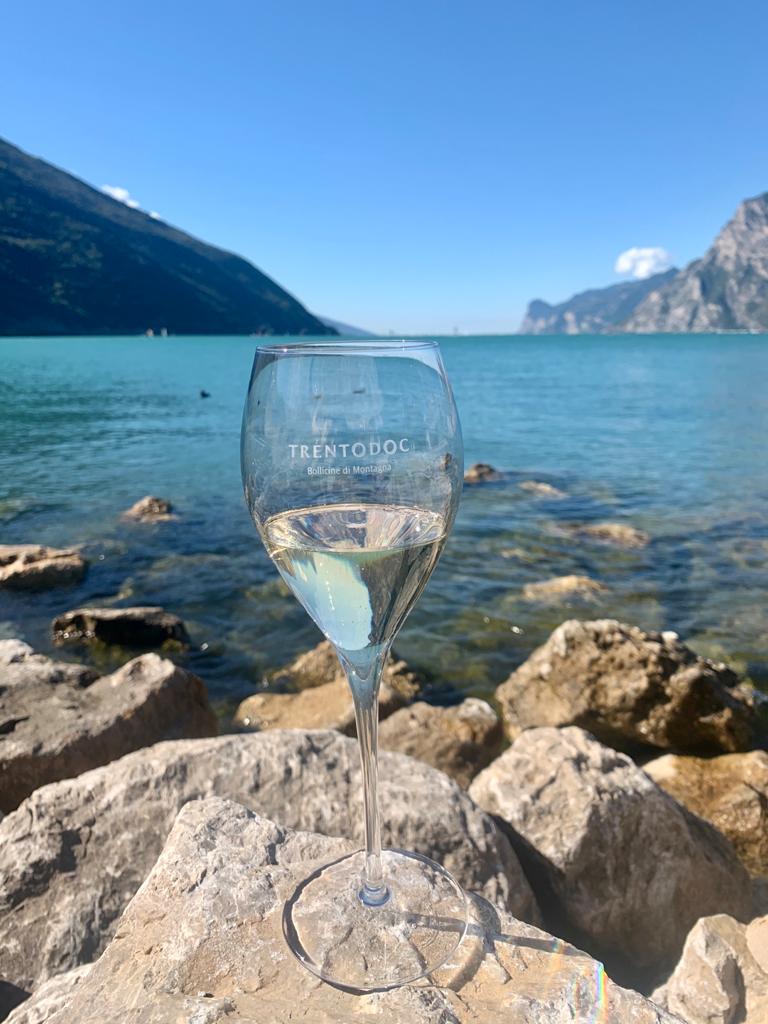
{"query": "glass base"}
[(364, 948)]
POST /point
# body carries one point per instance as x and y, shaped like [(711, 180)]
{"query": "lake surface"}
[(667, 434)]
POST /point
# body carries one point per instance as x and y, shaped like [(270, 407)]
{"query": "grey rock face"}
[(144, 628), (597, 311), (629, 688), (722, 977), (54, 728), (630, 869), (459, 740), (725, 290), (34, 567), (20, 665), (202, 942), (76, 851), (53, 995)]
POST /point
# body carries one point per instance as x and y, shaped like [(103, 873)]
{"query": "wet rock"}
[(629, 869), (481, 473), (620, 534), (55, 728), (542, 490), (53, 995), (75, 852), (203, 942), (459, 740), (324, 700), (143, 628), (730, 792), (560, 587), (722, 977), (35, 567), (150, 510), (20, 665), (629, 688)]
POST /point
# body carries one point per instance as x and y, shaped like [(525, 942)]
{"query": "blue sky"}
[(406, 166)]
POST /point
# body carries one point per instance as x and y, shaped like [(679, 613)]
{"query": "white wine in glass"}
[(352, 467)]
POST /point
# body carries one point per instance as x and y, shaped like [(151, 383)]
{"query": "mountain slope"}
[(75, 261), (727, 289), (597, 311)]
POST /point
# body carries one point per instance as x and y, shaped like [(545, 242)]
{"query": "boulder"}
[(75, 852), (630, 689), (730, 791), (619, 534), (51, 996), (35, 567), (324, 700), (143, 628), (722, 977), (459, 740), (203, 942), (627, 867), (542, 490), (150, 510), (20, 665), (561, 587), (481, 473), (54, 729)]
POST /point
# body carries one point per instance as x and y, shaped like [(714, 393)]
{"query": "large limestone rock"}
[(35, 567), (20, 665), (323, 700), (54, 728), (621, 535), (459, 740), (730, 791), (629, 869), (202, 942), (722, 977), (53, 995), (145, 628), (539, 489), (629, 688), (75, 852)]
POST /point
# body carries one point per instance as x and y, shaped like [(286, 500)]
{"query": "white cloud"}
[(643, 262), (122, 195), (155, 215)]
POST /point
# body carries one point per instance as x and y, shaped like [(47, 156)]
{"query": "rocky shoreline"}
[(610, 806)]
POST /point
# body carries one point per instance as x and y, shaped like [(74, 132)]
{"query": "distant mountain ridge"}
[(725, 290), (597, 311), (75, 261)]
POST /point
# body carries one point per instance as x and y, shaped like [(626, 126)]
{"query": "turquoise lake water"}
[(667, 434)]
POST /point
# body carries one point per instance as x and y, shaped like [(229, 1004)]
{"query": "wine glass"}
[(352, 466)]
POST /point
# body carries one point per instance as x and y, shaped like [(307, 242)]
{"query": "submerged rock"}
[(203, 942), (629, 869), (35, 567), (722, 977), (459, 740), (550, 591), (55, 728), (629, 688), (75, 852), (620, 534), (150, 509), (481, 473), (542, 490), (144, 628), (730, 792)]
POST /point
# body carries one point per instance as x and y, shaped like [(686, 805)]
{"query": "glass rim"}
[(352, 345)]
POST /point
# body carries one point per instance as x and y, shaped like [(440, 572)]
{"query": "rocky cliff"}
[(726, 290), (75, 261)]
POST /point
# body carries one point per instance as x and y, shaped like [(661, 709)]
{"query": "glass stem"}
[(364, 677)]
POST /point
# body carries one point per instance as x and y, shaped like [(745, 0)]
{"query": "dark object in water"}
[(204, 393)]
